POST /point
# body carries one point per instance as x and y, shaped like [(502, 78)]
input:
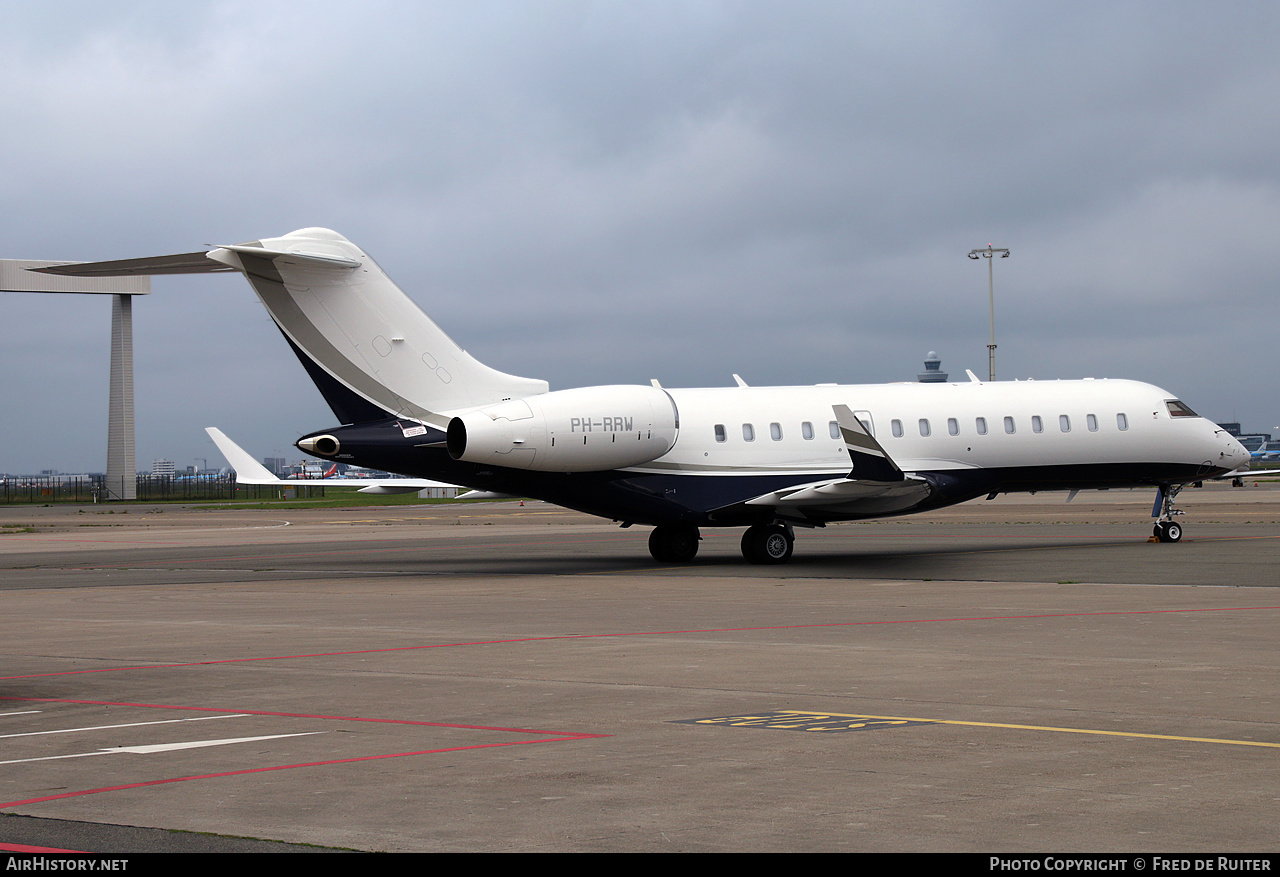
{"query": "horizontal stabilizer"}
[(194, 263), (181, 263)]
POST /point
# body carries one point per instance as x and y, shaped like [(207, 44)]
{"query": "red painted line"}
[(549, 737), (23, 848), (232, 773), (568, 735), (584, 636)]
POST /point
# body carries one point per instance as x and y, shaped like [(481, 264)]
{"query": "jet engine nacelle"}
[(591, 429)]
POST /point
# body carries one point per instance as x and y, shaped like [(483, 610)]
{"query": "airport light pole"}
[(989, 252)]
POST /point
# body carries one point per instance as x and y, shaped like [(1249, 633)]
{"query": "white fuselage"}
[(940, 427)]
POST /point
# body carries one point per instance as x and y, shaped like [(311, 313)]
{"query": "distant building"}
[(275, 465), (1252, 441), (933, 373), (163, 467)]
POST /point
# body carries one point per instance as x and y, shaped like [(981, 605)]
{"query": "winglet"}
[(870, 462), (248, 470)]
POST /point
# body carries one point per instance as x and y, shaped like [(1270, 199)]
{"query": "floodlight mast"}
[(989, 252)]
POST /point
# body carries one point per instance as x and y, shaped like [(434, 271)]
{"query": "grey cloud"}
[(600, 192)]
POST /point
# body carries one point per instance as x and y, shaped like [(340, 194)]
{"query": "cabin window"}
[(1064, 423), (953, 426), (1091, 420), (1179, 409), (1037, 425), (806, 430), (981, 425), (720, 433), (924, 426), (897, 428), (775, 431), (1008, 426), (748, 432), (834, 429), (1122, 422)]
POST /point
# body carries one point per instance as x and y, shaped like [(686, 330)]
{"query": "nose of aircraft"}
[(1235, 456)]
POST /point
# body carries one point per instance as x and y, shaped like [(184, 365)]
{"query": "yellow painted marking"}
[(793, 720), (1049, 728)]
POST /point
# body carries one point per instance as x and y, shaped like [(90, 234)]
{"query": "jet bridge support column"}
[(122, 469), (16, 275)]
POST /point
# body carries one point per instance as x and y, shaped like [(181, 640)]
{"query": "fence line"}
[(150, 488)]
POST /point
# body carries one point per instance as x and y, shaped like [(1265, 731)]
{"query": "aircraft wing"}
[(250, 471), (1241, 474), (849, 495), (874, 486)]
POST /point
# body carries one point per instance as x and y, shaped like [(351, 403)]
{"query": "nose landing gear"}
[(1165, 529)]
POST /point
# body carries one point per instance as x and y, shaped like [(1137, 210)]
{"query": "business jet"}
[(770, 459)]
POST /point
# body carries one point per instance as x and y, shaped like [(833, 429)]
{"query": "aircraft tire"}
[(767, 544), (674, 543), (1168, 531)]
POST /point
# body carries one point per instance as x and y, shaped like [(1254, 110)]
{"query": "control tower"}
[(933, 373)]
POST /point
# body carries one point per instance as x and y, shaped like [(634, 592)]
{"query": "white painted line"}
[(51, 757), (23, 713), (161, 747), (127, 725), (197, 744)]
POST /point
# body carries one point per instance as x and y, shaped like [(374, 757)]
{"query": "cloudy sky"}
[(608, 192)]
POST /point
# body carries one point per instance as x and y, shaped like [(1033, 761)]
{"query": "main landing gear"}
[(763, 543), (1165, 529), (768, 543), (674, 543)]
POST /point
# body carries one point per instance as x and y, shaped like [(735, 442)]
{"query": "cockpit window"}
[(1179, 409)]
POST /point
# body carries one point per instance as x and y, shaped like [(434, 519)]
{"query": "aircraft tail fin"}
[(369, 349), (343, 313)]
